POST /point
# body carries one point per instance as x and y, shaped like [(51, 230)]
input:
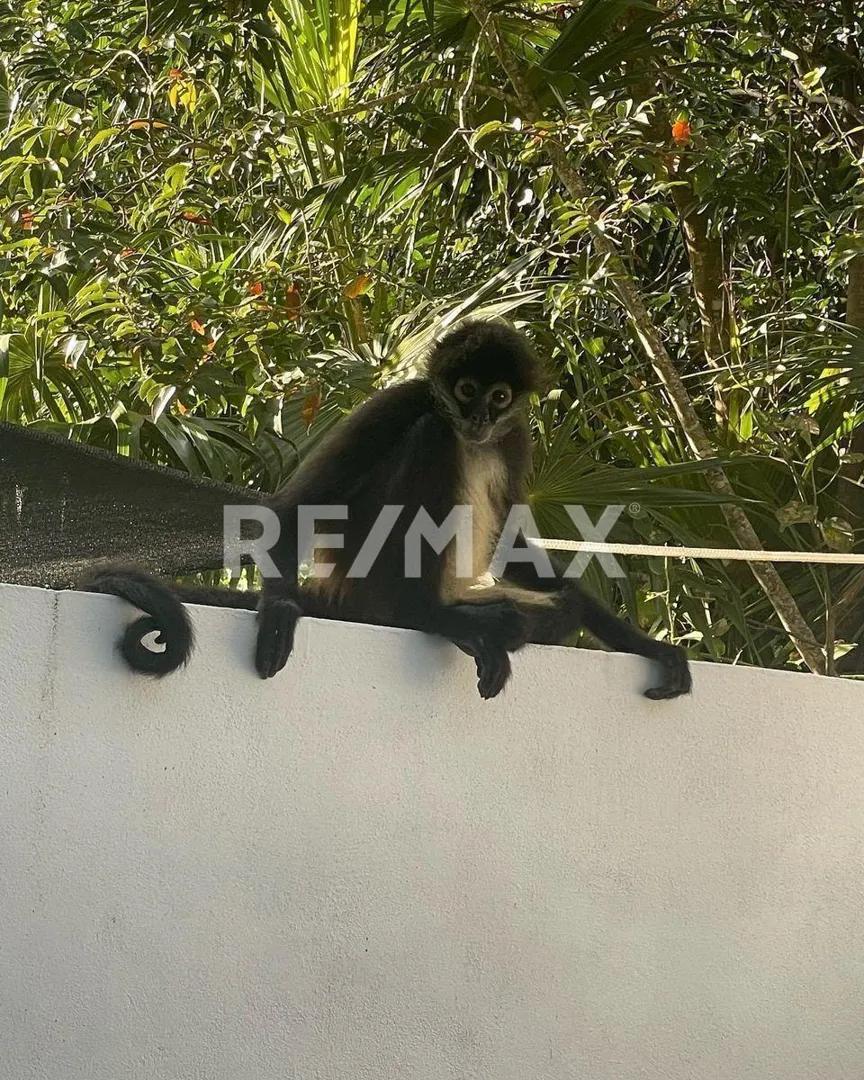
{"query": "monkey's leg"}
[(499, 620), (675, 678), (554, 616), (485, 629), (481, 631), (488, 631)]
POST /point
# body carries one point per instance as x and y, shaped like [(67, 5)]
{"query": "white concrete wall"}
[(361, 871)]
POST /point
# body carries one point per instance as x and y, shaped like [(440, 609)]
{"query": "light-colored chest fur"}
[(483, 488)]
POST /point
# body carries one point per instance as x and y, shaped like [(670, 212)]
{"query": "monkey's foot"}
[(676, 675), (277, 621), (493, 666), (493, 671)]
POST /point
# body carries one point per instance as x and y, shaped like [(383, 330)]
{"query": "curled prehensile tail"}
[(165, 615)]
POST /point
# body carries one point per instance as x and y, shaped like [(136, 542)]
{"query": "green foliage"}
[(224, 224)]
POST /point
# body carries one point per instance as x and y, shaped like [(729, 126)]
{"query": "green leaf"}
[(6, 96), (100, 137)]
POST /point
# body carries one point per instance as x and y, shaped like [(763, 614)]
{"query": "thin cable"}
[(669, 551)]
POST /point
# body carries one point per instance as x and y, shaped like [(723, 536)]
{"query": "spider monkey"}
[(456, 436)]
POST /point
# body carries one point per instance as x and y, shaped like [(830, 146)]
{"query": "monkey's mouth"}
[(476, 433)]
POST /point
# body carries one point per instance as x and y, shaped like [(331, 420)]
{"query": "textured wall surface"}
[(361, 871)]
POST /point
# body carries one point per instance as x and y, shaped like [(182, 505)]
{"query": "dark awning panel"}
[(65, 505)]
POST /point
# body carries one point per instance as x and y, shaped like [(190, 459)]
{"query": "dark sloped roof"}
[(65, 505)]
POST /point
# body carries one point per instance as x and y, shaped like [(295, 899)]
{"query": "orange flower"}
[(26, 221), (681, 131), (127, 251), (175, 74), (197, 326), (255, 288)]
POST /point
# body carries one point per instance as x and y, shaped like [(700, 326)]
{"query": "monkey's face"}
[(482, 410)]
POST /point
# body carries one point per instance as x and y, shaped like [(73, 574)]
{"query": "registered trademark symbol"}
[(634, 509)]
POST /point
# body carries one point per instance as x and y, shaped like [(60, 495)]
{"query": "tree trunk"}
[(850, 495), (855, 290), (709, 277), (849, 491), (855, 319)]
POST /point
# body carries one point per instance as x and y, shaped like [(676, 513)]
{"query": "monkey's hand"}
[(277, 620), (676, 678)]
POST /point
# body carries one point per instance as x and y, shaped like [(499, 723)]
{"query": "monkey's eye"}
[(465, 390), (502, 396)]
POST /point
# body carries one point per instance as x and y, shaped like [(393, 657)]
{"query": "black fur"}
[(405, 446)]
